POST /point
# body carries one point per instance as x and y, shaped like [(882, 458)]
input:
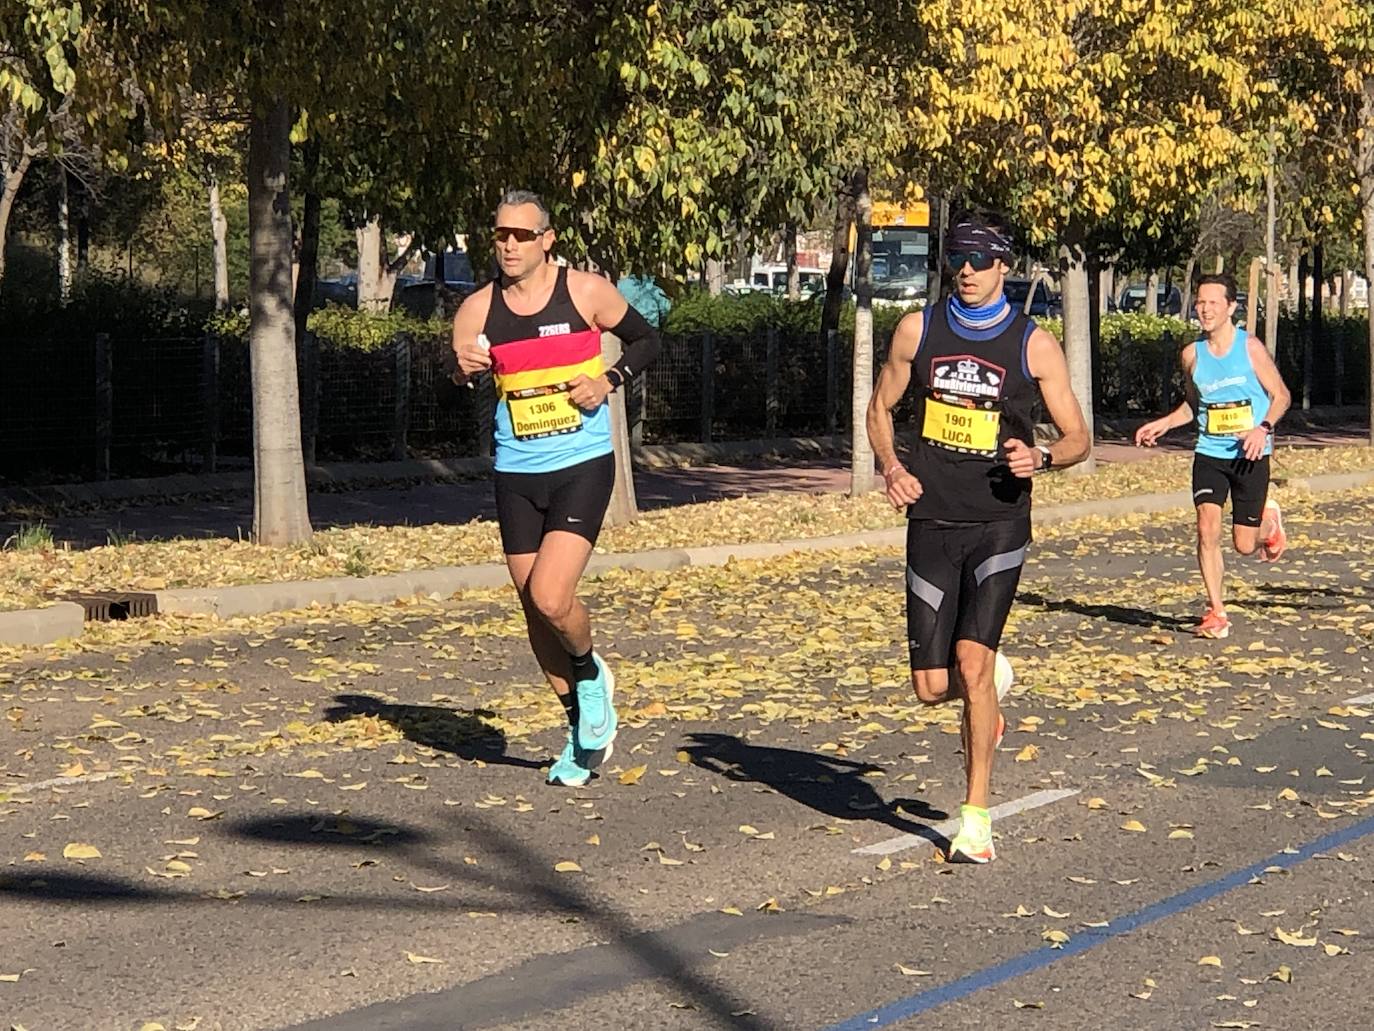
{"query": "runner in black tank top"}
[(977, 369)]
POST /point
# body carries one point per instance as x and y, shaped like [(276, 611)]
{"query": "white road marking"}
[(949, 828), (53, 782), (1364, 699)]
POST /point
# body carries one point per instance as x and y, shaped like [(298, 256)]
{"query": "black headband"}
[(975, 236)]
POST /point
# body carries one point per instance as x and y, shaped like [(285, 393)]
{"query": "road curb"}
[(64, 619), (42, 626)]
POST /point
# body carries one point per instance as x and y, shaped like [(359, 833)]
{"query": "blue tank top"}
[(533, 358), (1231, 400)]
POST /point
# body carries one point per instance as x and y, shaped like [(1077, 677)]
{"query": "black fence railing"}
[(114, 406)]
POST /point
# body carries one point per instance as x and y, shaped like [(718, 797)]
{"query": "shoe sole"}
[(1219, 634), (610, 706), (602, 754), (960, 856)]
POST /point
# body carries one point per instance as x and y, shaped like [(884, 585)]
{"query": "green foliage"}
[(344, 327), (29, 537)]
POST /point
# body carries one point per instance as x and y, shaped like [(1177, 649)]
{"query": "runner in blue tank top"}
[(1236, 395), (538, 329)]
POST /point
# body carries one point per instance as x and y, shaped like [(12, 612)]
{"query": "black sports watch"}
[(1267, 426), (1046, 457)]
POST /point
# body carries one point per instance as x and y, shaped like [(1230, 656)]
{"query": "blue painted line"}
[(1037, 959)]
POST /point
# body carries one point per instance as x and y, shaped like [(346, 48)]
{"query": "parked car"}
[(1169, 299), (1044, 303)]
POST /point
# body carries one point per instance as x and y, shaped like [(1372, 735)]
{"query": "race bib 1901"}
[(1226, 417), (542, 412), (960, 428)]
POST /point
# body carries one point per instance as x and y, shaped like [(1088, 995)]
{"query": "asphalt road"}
[(336, 820)]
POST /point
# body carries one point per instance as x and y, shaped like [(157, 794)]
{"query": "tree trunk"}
[(1294, 259), (9, 188), (839, 263), (374, 286), (937, 274), (1318, 317), (1252, 296), (83, 227), (715, 276), (64, 239), (1094, 325), (1304, 336), (1187, 300), (219, 232), (1365, 172), (1152, 293), (306, 276), (624, 507), (1271, 258), (280, 510), (793, 269), (1347, 284), (861, 453), (1077, 339), (1106, 282)]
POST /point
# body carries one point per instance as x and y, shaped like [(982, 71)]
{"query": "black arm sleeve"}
[(639, 347)]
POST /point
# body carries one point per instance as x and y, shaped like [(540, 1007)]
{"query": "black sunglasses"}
[(503, 233), (980, 261)]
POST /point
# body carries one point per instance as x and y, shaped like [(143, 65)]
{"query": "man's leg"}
[(545, 642), (973, 672), (1209, 558)]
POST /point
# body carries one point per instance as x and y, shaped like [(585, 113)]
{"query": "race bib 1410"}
[(1226, 417)]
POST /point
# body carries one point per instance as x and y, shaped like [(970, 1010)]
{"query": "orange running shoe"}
[(1273, 546), (1213, 625)]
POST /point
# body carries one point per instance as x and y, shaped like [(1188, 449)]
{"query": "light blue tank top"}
[(1231, 398)]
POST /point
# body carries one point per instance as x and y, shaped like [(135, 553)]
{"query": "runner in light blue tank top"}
[(1236, 395), (1232, 398)]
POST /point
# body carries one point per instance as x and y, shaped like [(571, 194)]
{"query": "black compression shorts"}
[(961, 579), (1247, 483), (529, 505)]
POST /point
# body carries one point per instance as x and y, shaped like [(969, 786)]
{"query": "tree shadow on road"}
[(828, 784), (1112, 613), (466, 735)]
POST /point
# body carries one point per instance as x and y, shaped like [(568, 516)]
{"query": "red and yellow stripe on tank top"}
[(532, 376)]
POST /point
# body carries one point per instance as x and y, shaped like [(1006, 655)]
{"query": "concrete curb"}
[(42, 626), (64, 619)]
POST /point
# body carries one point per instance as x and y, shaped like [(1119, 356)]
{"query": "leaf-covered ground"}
[(33, 577), (360, 789)]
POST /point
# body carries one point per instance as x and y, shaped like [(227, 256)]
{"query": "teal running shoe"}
[(596, 720), (574, 766)]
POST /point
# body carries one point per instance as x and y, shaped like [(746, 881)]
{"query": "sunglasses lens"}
[(504, 233), (979, 261)]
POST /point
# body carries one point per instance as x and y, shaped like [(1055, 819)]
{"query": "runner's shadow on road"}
[(828, 784), (466, 735), (1112, 613)]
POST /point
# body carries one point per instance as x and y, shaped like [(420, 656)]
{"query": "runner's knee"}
[(931, 685), (551, 601)]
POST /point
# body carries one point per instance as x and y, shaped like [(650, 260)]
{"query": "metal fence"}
[(116, 406)]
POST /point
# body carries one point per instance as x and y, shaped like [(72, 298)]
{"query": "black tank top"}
[(557, 318), (974, 392)]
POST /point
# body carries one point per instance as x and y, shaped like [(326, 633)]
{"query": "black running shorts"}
[(529, 505), (961, 579), (1247, 483)]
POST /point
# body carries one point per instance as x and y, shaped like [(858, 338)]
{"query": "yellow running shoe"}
[(973, 843)]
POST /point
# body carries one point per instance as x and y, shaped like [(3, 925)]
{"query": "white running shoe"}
[(1003, 676)]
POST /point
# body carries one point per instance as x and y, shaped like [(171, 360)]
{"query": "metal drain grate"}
[(104, 606)]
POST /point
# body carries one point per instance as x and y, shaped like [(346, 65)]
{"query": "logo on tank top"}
[(558, 329), (968, 376)]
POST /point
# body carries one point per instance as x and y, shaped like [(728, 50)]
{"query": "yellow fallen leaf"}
[(631, 776), (1334, 950), (1288, 795), (732, 911), (1283, 973), (595, 839), (1055, 937), (745, 828), (201, 813), (1295, 939), (1133, 825), (418, 959), (10, 978), (1027, 1005), (1051, 913), (1209, 961), (78, 850), (1028, 754), (1096, 803), (1180, 833), (665, 861), (906, 971), (567, 866), (308, 775)]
